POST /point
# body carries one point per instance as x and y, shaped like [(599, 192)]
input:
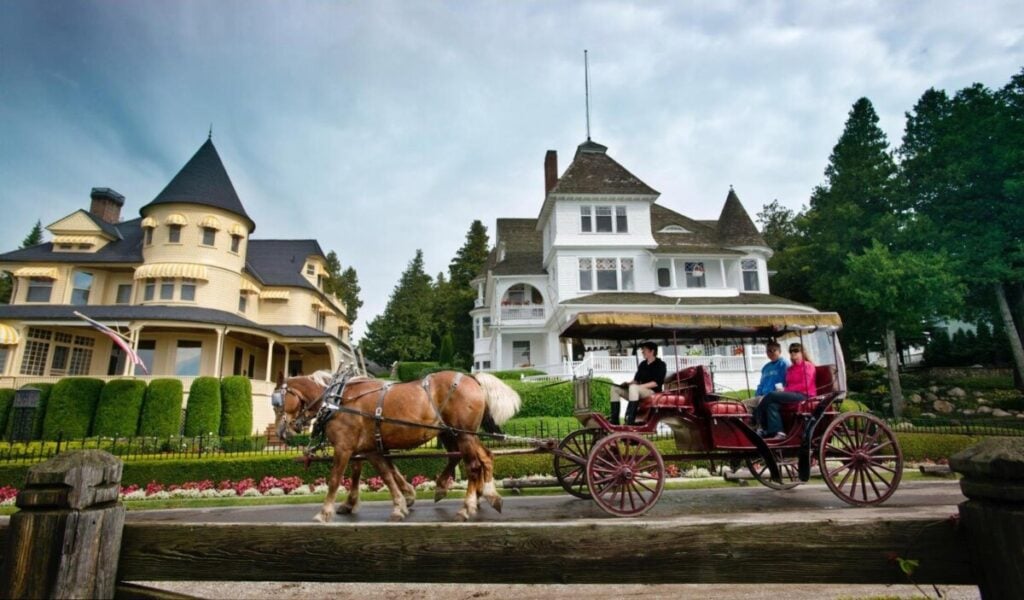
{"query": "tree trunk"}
[(893, 366), (1011, 331)]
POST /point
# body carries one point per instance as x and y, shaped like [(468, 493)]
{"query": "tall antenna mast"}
[(586, 86)]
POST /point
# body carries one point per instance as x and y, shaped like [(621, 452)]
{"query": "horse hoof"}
[(323, 517), (495, 502), (439, 494), (396, 517), (345, 509), (461, 516), (409, 501)]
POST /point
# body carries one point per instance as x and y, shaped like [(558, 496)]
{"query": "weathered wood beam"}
[(786, 550)]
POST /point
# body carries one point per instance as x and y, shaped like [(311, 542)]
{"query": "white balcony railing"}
[(628, 364), (522, 312)]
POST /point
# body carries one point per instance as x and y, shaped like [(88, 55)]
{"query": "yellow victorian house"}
[(185, 282)]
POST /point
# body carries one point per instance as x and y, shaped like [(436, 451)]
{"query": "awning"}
[(44, 272), (237, 229), (319, 306), (176, 219), (248, 287), (8, 335), (74, 239), (210, 222), (149, 222), (275, 295), (171, 270), (635, 326)]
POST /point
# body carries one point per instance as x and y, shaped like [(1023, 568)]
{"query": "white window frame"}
[(746, 268), (589, 216), (212, 233), (75, 289), (619, 279), (39, 283), (174, 234)]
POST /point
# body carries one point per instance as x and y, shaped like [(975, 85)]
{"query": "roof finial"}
[(209, 136), (730, 187), (586, 87)]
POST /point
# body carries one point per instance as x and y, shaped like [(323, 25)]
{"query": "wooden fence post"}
[(66, 539), (993, 516)]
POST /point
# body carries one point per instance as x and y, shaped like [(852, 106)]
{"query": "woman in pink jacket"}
[(799, 385)]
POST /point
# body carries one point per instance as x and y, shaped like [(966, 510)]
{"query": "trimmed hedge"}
[(6, 403), (119, 408), (44, 400), (161, 408), (410, 371), (202, 415), (72, 407), (516, 373), (544, 399), (236, 406)]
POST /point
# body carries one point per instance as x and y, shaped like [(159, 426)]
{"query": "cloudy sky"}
[(382, 127)]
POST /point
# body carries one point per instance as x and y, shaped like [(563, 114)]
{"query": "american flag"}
[(120, 340)]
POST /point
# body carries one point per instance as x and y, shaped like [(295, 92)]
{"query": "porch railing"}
[(522, 312)]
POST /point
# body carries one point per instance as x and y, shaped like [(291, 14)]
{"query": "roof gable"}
[(79, 221), (203, 180), (280, 262), (592, 171)]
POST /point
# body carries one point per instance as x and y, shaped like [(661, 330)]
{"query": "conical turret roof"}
[(203, 180), (735, 228)]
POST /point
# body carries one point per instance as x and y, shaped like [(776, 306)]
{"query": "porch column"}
[(218, 366), (270, 358), (747, 364), (497, 352), (135, 348), (19, 352), (287, 352), (721, 268)]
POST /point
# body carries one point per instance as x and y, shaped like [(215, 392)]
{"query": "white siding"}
[(566, 215)]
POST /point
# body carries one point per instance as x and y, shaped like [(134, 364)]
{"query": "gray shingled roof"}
[(524, 248), (127, 248), (656, 299), (110, 229), (594, 172), (203, 180), (280, 262), (734, 225), (106, 314)]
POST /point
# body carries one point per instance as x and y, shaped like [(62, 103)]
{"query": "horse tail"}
[(502, 401)]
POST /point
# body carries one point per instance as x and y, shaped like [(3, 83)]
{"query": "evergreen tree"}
[(405, 330), (446, 353), (344, 285), (5, 288), (783, 231), (458, 297), (35, 237)]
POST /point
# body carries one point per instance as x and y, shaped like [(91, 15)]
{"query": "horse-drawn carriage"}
[(624, 472), (618, 466)]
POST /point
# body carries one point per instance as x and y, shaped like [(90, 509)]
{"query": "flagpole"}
[(94, 322)]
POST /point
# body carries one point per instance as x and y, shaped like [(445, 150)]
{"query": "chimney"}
[(106, 204), (550, 171)]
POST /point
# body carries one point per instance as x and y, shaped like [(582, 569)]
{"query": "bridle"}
[(309, 409)]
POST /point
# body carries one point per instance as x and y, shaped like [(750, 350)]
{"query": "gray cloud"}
[(379, 128)]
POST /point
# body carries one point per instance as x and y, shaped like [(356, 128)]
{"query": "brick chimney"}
[(106, 204), (550, 171)]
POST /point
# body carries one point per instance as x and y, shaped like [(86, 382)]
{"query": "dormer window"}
[(174, 234), (674, 229), (311, 269)]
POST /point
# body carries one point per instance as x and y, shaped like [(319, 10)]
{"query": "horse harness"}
[(329, 409)]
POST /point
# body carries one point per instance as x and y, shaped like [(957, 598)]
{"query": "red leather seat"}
[(824, 383), (726, 407), (675, 399), (690, 377)]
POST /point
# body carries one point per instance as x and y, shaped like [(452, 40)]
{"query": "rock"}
[(984, 410), (928, 415), (931, 397), (941, 406), (915, 398), (977, 394), (1000, 413), (933, 389), (957, 392), (982, 402), (967, 412)]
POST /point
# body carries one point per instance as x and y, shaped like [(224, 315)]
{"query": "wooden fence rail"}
[(793, 548)]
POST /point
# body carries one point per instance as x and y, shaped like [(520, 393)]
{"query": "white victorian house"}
[(602, 242)]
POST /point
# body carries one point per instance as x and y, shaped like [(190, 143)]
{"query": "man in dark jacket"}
[(650, 374)]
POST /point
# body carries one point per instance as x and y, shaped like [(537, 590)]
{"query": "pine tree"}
[(35, 237), (343, 284), (457, 298), (404, 331), (5, 288), (446, 353)]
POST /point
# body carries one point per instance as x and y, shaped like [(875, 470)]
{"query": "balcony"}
[(511, 313)]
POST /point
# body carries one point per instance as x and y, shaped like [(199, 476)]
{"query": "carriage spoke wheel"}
[(860, 459), (572, 475), (626, 474), (789, 471)]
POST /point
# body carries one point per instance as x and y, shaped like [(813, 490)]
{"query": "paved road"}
[(938, 497)]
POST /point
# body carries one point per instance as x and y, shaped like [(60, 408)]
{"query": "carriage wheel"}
[(573, 475), (788, 471), (860, 459), (625, 474)]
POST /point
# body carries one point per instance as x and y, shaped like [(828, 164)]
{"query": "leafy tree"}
[(35, 237), (894, 293), (5, 288), (783, 231), (344, 284), (458, 297), (404, 331)]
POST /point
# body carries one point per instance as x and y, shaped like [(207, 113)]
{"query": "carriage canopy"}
[(633, 325)]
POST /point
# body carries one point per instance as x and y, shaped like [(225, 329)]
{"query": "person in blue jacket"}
[(773, 374)]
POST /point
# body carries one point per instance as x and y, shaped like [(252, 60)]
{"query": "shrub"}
[(446, 355), (6, 404), (161, 408), (119, 408), (236, 406), (544, 399), (71, 408), (202, 415), (516, 373), (410, 371), (248, 443)]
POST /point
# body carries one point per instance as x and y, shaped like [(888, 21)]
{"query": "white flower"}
[(427, 485), (302, 490), (159, 496), (251, 493), (8, 502), (228, 493), (320, 489), (211, 493), (136, 495), (274, 491)]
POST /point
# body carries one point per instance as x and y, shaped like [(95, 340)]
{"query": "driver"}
[(650, 374)]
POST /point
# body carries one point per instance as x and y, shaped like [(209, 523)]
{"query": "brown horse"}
[(447, 403)]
